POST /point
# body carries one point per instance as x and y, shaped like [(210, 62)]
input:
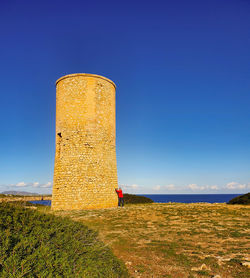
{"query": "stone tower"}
[(85, 174)]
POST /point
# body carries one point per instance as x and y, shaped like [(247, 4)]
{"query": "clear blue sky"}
[(182, 70)]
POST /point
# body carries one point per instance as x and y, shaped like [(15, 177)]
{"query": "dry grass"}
[(175, 240)]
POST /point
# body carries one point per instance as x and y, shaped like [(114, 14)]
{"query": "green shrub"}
[(241, 200), (33, 244), (135, 199), (3, 196)]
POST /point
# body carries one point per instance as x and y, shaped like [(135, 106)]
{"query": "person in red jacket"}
[(120, 197)]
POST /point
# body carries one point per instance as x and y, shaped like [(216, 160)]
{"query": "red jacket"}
[(119, 192)]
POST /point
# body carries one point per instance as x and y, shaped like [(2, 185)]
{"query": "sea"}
[(176, 198), (191, 198)]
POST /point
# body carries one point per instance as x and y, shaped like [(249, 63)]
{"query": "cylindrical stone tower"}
[(85, 174)]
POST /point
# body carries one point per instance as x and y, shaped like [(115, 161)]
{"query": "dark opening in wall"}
[(59, 134)]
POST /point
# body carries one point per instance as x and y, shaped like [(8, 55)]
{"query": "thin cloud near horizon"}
[(34, 184), (139, 189)]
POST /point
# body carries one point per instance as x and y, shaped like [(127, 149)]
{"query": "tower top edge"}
[(86, 75)]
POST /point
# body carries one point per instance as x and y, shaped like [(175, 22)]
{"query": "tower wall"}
[(85, 173)]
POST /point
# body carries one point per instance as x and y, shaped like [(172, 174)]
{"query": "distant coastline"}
[(174, 198)]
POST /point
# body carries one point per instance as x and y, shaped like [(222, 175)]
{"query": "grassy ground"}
[(175, 240)]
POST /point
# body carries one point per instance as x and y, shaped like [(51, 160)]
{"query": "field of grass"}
[(33, 244), (175, 240)]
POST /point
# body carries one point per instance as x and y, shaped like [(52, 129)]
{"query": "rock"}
[(128, 263), (247, 264), (202, 267), (216, 276), (30, 207)]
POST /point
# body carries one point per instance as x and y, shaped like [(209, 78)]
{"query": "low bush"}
[(135, 199), (3, 196), (33, 244), (241, 200)]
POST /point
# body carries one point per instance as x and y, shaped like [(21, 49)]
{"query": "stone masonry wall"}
[(85, 173)]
